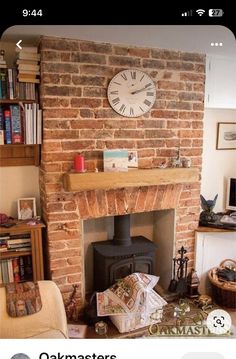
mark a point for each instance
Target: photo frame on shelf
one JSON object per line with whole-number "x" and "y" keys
{"x": 26, "y": 208}
{"x": 226, "y": 136}
{"x": 115, "y": 160}
{"x": 132, "y": 159}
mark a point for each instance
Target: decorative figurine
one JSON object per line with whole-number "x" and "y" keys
{"x": 207, "y": 215}
{"x": 176, "y": 162}
{"x": 192, "y": 284}
{"x": 186, "y": 162}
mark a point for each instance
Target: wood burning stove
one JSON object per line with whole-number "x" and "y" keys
{"x": 117, "y": 258}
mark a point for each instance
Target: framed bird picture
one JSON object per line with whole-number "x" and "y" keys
{"x": 226, "y": 136}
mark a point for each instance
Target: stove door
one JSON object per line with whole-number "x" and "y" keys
{"x": 127, "y": 266}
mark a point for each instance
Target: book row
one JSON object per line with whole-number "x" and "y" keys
{"x": 14, "y": 244}
{"x": 20, "y": 124}
{"x": 17, "y": 269}
{"x": 11, "y": 87}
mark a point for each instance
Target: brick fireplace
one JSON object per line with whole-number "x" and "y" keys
{"x": 78, "y": 118}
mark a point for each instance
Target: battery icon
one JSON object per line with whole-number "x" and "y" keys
{"x": 216, "y": 12}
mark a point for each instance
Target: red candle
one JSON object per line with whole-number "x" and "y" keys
{"x": 79, "y": 163}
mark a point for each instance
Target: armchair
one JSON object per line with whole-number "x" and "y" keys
{"x": 50, "y": 322}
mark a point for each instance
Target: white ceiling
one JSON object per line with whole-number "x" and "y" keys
{"x": 192, "y": 38}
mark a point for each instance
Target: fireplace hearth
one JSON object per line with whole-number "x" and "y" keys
{"x": 114, "y": 259}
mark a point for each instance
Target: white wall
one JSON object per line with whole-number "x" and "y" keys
{"x": 217, "y": 164}
{"x": 18, "y": 182}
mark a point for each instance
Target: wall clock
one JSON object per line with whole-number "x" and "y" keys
{"x": 131, "y": 93}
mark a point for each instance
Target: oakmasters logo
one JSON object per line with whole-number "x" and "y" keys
{"x": 182, "y": 330}
{"x": 217, "y": 322}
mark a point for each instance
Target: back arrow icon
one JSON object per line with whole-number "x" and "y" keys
{"x": 18, "y": 44}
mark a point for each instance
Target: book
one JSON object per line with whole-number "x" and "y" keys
{"x": 16, "y": 124}
{"x": 0, "y": 273}
{"x": 5, "y": 276}
{"x": 28, "y": 267}
{"x": 18, "y": 240}
{"x": 10, "y": 270}
{"x": 7, "y": 118}
{"x": 1, "y": 118}
{"x": 20, "y": 236}
{"x": 31, "y": 73}
{"x": 28, "y": 49}
{"x": 3, "y": 245}
{"x": 28, "y": 79}
{"x": 21, "y": 268}
{"x": 25, "y": 61}
{"x": 28, "y": 56}
{"x": 28, "y": 67}
{"x": 16, "y": 269}
{"x": 1, "y": 137}
{"x": 3, "y": 83}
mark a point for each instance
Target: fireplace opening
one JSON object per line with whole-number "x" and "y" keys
{"x": 145, "y": 243}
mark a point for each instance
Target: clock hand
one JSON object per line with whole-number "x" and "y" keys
{"x": 142, "y": 89}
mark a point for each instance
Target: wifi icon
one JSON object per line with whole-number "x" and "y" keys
{"x": 200, "y": 12}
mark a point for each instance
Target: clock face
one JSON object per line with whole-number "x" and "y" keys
{"x": 131, "y": 93}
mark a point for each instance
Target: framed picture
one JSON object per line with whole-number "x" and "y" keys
{"x": 26, "y": 208}
{"x": 115, "y": 160}
{"x": 226, "y": 136}
{"x": 133, "y": 159}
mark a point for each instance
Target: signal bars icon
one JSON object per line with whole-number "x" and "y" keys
{"x": 187, "y": 13}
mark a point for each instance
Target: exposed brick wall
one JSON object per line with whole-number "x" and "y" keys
{"x": 78, "y": 118}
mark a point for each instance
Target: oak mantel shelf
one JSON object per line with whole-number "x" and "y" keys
{"x": 77, "y": 182}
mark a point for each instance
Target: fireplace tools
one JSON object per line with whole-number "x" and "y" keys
{"x": 179, "y": 285}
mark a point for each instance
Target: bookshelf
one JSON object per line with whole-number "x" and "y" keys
{"x": 32, "y": 255}
{"x": 19, "y": 155}
{"x": 9, "y": 101}
{"x": 20, "y": 115}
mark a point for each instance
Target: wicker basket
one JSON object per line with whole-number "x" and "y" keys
{"x": 224, "y": 292}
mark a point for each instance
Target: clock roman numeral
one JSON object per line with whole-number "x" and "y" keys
{"x": 150, "y": 93}
{"x": 122, "y": 108}
{"x": 131, "y": 111}
{"x": 114, "y": 93}
{"x": 124, "y": 76}
{"x": 141, "y": 78}
{"x": 148, "y": 85}
{"x": 116, "y": 100}
{"x": 116, "y": 83}
{"x": 133, "y": 75}
{"x": 141, "y": 108}
{"x": 146, "y": 102}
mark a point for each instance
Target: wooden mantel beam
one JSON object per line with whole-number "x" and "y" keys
{"x": 77, "y": 182}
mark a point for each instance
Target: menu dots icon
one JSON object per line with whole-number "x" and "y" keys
{"x": 220, "y": 44}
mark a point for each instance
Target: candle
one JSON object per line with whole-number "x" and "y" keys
{"x": 101, "y": 328}
{"x": 79, "y": 163}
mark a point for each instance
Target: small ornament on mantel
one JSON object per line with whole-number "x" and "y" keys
{"x": 176, "y": 162}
